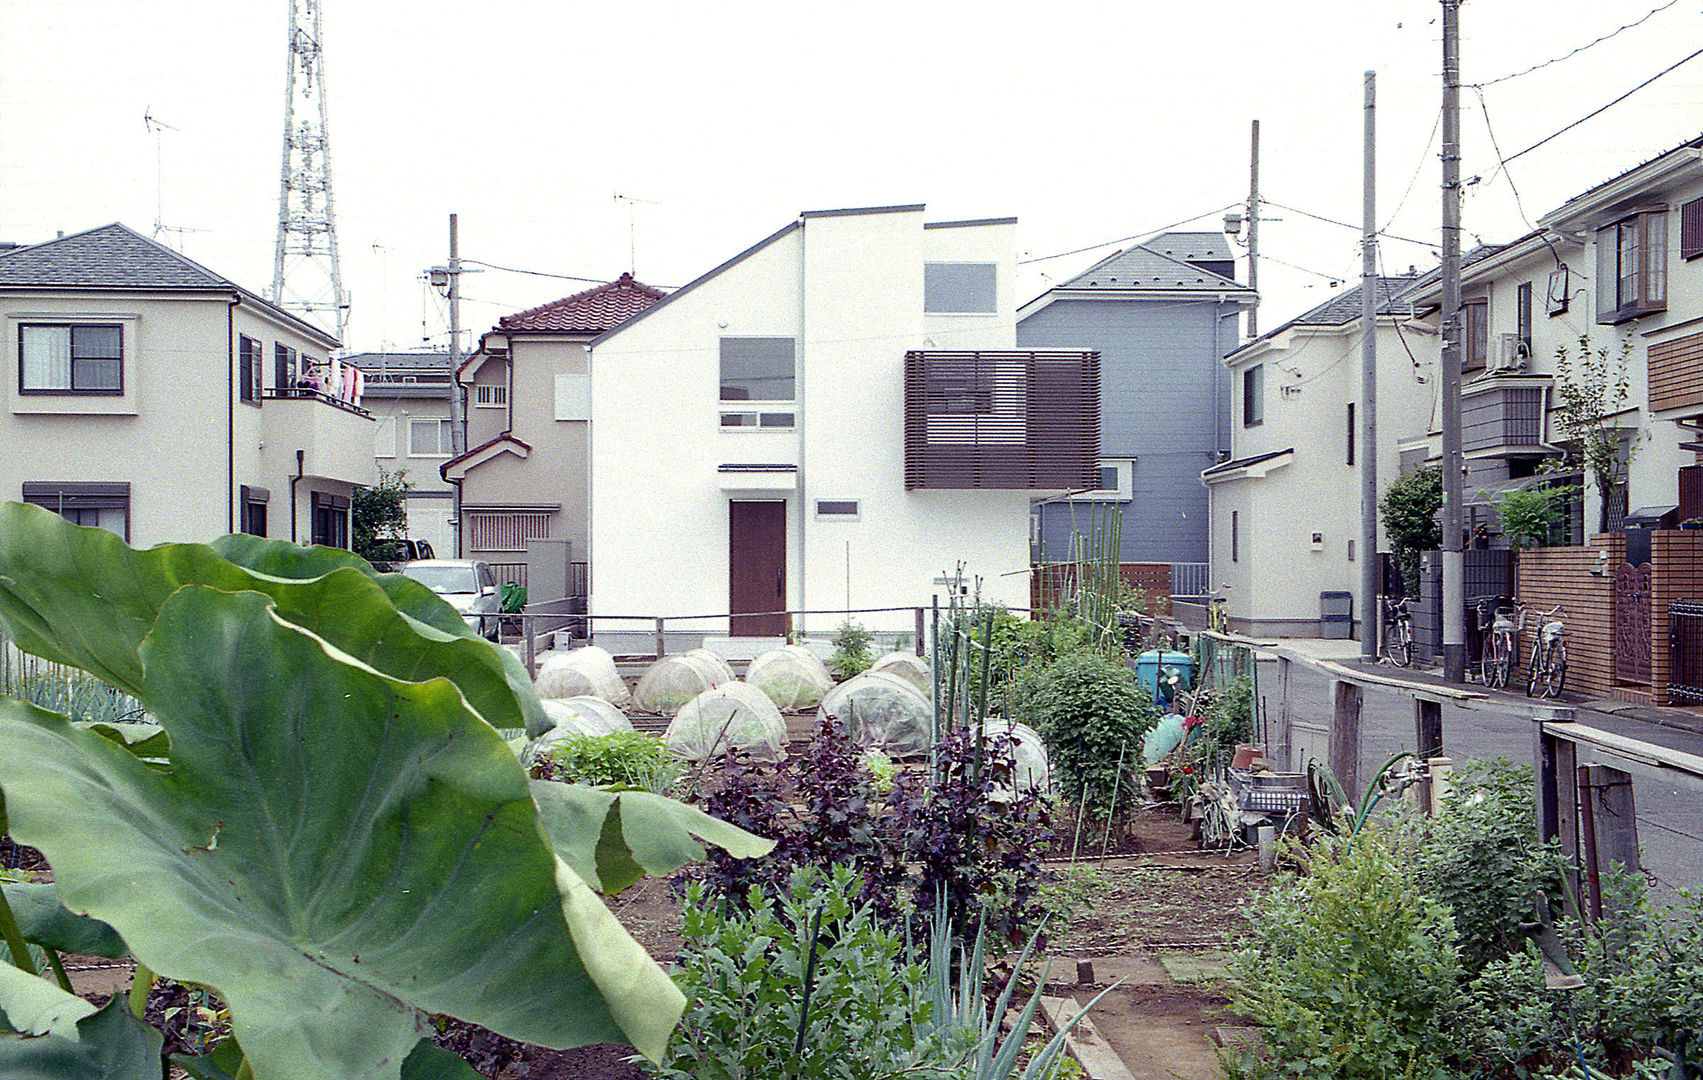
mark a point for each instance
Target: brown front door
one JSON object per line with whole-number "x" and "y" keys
{"x": 757, "y": 568}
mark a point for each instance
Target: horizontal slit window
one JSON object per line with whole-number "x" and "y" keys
{"x": 842, "y": 509}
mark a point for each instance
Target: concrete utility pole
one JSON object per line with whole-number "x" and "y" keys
{"x": 1454, "y": 547}
{"x": 457, "y": 412}
{"x": 1254, "y": 230}
{"x": 1371, "y": 616}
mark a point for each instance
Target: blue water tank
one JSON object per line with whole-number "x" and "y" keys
{"x": 1147, "y": 667}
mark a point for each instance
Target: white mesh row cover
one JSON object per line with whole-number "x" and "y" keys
{"x": 723, "y": 673}
{"x": 574, "y": 717}
{"x": 882, "y": 710}
{"x": 792, "y": 676}
{"x": 1028, "y": 752}
{"x": 674, "y": 680}
{"x": 736, "y": 716}
{"x": 588, "y": 671}
{"x": 909, "y": 667}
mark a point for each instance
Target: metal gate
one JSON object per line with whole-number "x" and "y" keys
{"x": 1685, "y": 639}
{"x": 1632, "y": 624}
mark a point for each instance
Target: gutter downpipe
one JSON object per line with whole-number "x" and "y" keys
{"x": 231, "y": 413}
{"x": 301, "y": 457}
{"x": 799, "y": 388}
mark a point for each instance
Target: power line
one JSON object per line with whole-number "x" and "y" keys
{"x": 1502, "y": 168}
{"x": 1424, "y": 156}
{"x": 1344, "y": 224}
{"x": 1334, "y": 279}
{"x": 1580, "y": 49}
{"x": 537, "y": 273}
{"x": 1605, "y": 108}
{"x": 1126, "y": 239}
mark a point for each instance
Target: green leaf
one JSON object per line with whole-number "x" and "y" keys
{"x": 219, "y": 1063}
{"x": 111, "y": 1044}
{"x": 332, "y": 852}
{"x": 428, "y": 1062}
{"x": 50, "y": 924}
{"x": 81, "y": 596}
{"x": 142, "y": 739}
{"x": 613, "y": 838}
{"x": 34, "y": 1006}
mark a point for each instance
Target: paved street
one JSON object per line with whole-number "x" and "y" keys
{"x": 1669, "y": 804}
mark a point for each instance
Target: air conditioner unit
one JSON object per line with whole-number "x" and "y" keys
{"x": 1513, "y": 354}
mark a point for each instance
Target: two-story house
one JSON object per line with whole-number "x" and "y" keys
{"x": 149, "y": 395}
{"x": 837, "y": 417}
{"x": 408, "y": 396}
{"x": 528, "y": 392}
{"x": 1162, "y": 315}
{"x": 1286, "y": 507}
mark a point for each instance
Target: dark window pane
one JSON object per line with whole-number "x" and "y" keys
{"x": 960, "y": 288}
{"x": 1108, "y": 478}
{"x": 776, "y": 420}
{"x": 757, "y": 369}
{"x": 97, "y": 342}
{"x": 96, "y": 374}
{"x": 836, "y": 508}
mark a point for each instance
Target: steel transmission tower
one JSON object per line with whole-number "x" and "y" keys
{"x": 305, "y": 275}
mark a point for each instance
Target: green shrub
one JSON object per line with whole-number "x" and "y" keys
{"x": 1349, "y": 970}
{"x": 1528, "y": 517}
{"x": 626, "y": 757}
{"x": 852, "y": 654}
{"x": 1091, "y": 712}
{"x": 1229, "y": 719}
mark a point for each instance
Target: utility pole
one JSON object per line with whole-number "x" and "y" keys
{"x": 1254, "y": 230}
{"x": 1371, "y": 617}
{"x": 1454, "y": 547}
{"x": 457, "y": 411}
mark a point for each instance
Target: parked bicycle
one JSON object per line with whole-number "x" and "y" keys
{"x": 1502, "y": 648}
{"x": 1549, "y": 656}
{"x": 1398, "y": 632}
{"x": 1217, "y": 617}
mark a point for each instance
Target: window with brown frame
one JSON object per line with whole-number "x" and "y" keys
{"x": 1523, "y": 314}
{"x": 1475, "y": 333}
{"x": 66, "y": 358}
{"x": 251, "y": 365}
{"x": 1253, "y": 396}
{"x": 283, "y": 366}
{"x": 1351, "y": 433}
{"x": 102, "y": 505}
{"x": 1632, "y": 266}
{"x": 1691, "y": 229}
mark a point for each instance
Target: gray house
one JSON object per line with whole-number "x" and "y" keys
{"x": 1163, "y": 315}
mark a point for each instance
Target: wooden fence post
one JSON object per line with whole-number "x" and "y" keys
{"x": 1345, "y": 736}
{"x": 660, "y": 651}
{"x": 1610, "y": 827}
{"x": 1284, "y": 738}
{"x": 921, "y": 630}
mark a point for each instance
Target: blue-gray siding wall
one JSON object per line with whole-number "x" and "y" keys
{"x": 1164, "y": 401}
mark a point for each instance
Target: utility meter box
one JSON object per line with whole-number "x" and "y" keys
{"x": 1336, "y": 614}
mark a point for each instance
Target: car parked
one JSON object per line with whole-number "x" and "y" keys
{"x": 469, "y": 585}
{"x": 391, "y": 553}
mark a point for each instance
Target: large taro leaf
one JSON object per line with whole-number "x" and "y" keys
{"x": 81, "y": 596}
{"x": 332, "y": 851}
{"x": 426, "y": 1062}
{"x": 109, "y": 1044}
{"x": 31, "y": 1005}
{"x": 44, "y": 921}
{"x": 613, "y": 838}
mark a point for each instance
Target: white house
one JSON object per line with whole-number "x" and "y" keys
{"x": 1286, "y": 506}
{"x": 834, "y": 418}
{"x": 151, "y": 396}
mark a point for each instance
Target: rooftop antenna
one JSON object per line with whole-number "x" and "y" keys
{"x": 157, "y": 128}
{"x": 632, "y": 229}
{"x": 306, "y": 276}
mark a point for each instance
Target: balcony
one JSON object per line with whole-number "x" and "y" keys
{"x": 1503, "y": 416}
{"x": 1011, "y": 419}
{"x": 1676, "y": 378}
{"x": 336, "y": 437}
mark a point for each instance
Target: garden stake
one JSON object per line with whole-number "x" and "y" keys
{"x": 809, "y": 980}
{"x": 982, "y": 696}
{"x": 1116, "y": 785}
{"x": 141, "y": 985}
{"x": 58, "y": 970}
{"x": 1076, "y": 844}
{"x": 15, "y": 937}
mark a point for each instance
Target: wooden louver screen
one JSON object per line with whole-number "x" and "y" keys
{"x": 1676, "y": 374}
{"x": 1014, "y": 419}
{"x": 506, "y": 531}
{"x": 1691, "y": 229}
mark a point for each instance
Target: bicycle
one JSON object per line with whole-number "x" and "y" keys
{"x": 1217, "y": 617}
{"x": 1548, "y": 667}
{"x": 1501, "y": 652}
{"x": 1398, "y": 632}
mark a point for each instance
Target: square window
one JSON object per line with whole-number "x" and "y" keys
{"x": 757, "y": 369}
{"x": 960, "y": 288}
{"x": 429, "y": 438}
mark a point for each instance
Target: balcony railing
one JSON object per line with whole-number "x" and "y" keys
{"x": 1014, "y": 419}
{"x": 1504, "y": 415}
{"x": 301, "y": 393}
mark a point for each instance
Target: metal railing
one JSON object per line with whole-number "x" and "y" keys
{"x": 1191, "y": 579}
{"x": 299, "y": 392}
{"x": 1685, "y": 640}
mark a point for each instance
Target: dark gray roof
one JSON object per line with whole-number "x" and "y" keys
{"x": 1344, "y": 308}
{"x": 393, "y": 361}
{"x": 1237, "y": 463}
{"x": 1192, "y": 246}
{"x": 117, "y": 257}
{"x": 1148, "y": 267}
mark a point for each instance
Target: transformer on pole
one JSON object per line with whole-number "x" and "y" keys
{"x": 306, "y": 278}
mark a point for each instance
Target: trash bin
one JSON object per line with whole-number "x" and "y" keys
{"x": 1336, "y": 614}
{"x": 1147, "y": 667}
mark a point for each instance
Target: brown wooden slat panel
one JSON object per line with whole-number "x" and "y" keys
{"x": 1002, "y": 418}
{"x": 1676, "y": 373}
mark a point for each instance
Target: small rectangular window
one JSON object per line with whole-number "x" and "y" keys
{"x": 775, "y": 420}
{"x": 283, "y": 366}
{"x": 490, "y": 395}
{"x": 1351, "y": 432}
{"x": 101, "y": 505}
{"x": 251, "y": 366}
{"x": 1691, "y": 229}
{"x": 1351, "y": 551}
{"x": 429, "y": 438}
{"x": 1523, "y": 314}
{"x": 254, "y": 500}
{"x": 1253, "y": 396}
{"x": 837, "y": 509}
{"x": 960, "y": 288}
{"x": 1475, "y": 334}
{"x": 1632, "y": 270}
{"x": 757, "y": 369}
{"x": 1235, "y": 535}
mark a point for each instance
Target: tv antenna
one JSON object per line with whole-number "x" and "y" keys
{"x": 157, "y": 128}
{"x": 632, "y": 228}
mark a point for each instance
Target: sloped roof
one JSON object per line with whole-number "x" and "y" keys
{"x": 117, "y": 257}
{"x": 1159, "y": 264}
{"x": 590, "y": 312}
{"x": 400, "y": 361}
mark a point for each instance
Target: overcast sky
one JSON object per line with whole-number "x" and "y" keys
{"x": 1088, "y": 121}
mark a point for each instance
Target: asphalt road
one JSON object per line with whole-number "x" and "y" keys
{"x": 1669, "y": 805}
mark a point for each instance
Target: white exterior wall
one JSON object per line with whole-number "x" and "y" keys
{"x": 849, "y": 290}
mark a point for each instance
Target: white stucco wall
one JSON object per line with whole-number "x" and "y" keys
{"x": 849, "y": 290}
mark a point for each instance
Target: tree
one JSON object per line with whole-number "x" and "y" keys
{"x": 380, "y": 515}
{"x": 1528, "y": 516}
{"x": 1410, "y": 506}
{"x": 1588, "y": 398}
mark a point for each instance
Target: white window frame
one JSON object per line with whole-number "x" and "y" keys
{"x": 444, "y": 435}
{"x": 573, "y": 397}
{"x": 1124, "y": 492}
{"x": 490, "y": 395}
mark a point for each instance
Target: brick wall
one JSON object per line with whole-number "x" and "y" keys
{"x": 1049, "y": 582}
{"x": 1563, "y": 575}
{"x": 1677, "y": 561}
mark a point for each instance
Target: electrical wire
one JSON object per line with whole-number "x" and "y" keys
{"x": 1603, "y": 109}
{"x": 1126, "y": 239}
{"x": 1502, "y": 169}
{"x": 1424, "y": 156}
{"x": 1334, "y": 279}
{"x": 1591, "y": 45}
{"x": 537, "y": 273}
{"x": 1346, "y": 225}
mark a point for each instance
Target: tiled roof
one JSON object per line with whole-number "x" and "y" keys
{"x": 590, "y": 312}
{"x": 110, "y": 257}
{"x": 1150, "y": 266}
{"x": 1345, "y": 307}
{"x": 399, "y": 361}
{"x": 117, "y": 257}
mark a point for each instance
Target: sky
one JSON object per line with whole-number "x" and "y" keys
{"x": 1090, "y": 122}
